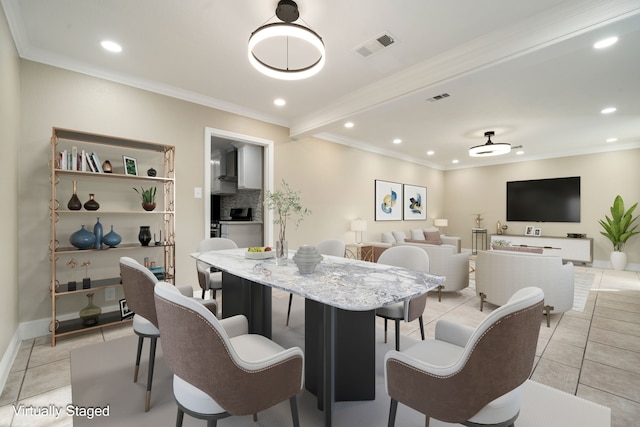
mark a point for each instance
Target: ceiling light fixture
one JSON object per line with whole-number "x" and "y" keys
{"x": 612, "y": 139}
{"x": 287, "y": 12}
{"x": 397, "y": 141}
{"x": 605, "y": 43}
{"x": 489, "y": 148}
{"x": 608, "y": 110}
{"x": 280, "y": 102}
{"x": 111, "y": 46}
{"x": 348, "y": 125}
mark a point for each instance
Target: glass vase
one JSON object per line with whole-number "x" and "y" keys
{"x": 282, "y": 252}
{"x": 90, "y": 313}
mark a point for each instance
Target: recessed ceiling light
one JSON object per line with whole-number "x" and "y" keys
{"x": 519, "y": 153}
{"x": 111, "y": 46}
{"x": 605, "y": 42}
{"x": 280, "y": 102}
{"x": 454, "y": 161}
{"x": 430, "y": 153}
{"x": 348, "y": 125}
{"x": 608, "y": 110}
{"x": 397, "y": 141}
{"x": 612, "y": 139}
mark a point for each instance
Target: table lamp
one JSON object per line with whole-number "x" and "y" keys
{"x": 358, "y": 225}
{"x": 440, "y": 222}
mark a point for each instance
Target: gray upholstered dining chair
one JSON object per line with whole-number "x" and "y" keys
{"x": 333, "y": 247}
{"x": 138, "y": 282}
{"x": 251, "y": 373}
{"x": 208, "y": 279}
{"x": 470, "y": 376}
{"x": 409, "y": 310}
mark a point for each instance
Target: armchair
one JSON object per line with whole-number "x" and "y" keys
{"x": 248, "y": 373}
{"x": 466, "y": 375}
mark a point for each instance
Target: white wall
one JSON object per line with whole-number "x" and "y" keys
{"x": 10, "y": 126}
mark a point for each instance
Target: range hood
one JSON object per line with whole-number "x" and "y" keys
{"x": 229, "y": 167}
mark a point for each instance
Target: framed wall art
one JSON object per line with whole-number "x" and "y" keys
{"x": 388, "y": 196}
{"x": 414, "y": 204}
{"x": 130, "y": 165}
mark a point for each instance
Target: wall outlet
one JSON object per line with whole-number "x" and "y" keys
{"x": 197, "y": 192}
{"x": 110, "y": 294}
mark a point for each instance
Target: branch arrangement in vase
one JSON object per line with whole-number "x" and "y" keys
{"x": 286, "y": 205}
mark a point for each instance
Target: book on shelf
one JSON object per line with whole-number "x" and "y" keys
{"x": 74, "y": 158}
{"x": 96, "y": 159}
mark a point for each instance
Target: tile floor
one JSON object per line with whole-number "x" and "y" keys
{"x": 594, "y": 354}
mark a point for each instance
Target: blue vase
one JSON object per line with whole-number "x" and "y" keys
{"x": 97, "y": 231}
{"x": 83, "y": 239}
{"x": 112, "y": 239}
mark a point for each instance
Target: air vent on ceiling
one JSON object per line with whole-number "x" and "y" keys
{"x": 438, "y": 97}
{"x": 375, "y": 45}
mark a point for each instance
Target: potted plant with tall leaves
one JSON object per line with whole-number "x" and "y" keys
{"x": 148, "y": 198}
{"x": 287, "y": 208}
{"x": 618, "y": 229}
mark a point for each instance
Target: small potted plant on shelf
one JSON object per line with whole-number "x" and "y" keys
{"x": 148, "y": 198}
{"x": 618, "y": 230}
{"x": 285, "y": 204}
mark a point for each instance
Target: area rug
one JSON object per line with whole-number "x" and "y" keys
{"x": 102, "y": 374}
{"x": 582, "y": 285}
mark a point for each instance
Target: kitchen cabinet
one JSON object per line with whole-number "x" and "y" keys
{"x": 249, "y": 167}
{"x": 220, "y": 181}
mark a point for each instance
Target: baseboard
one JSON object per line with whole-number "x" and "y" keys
{"x": 8, "y": 358}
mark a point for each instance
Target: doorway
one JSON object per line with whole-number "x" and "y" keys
{"x": 267, "y": 170}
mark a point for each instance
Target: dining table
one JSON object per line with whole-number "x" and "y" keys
{"x": 341, "y": 296}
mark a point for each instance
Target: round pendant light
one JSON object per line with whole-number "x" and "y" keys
{"x": 287, "y": 12}
{"x": 489, "y": 148}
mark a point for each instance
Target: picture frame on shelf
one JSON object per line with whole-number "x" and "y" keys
{"x": 529, "y": 230}
{"x": 414, "y": 203}
{"x": 125, "y": 313}
{"x": 537, "y": 232}
{"x": 388, "y": 196}
{"x": 130, "y": 165}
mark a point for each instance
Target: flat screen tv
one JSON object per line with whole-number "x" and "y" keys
{"x": 544, "y": 200}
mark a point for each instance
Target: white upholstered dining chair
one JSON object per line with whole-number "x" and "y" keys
{"x": 211, "y": 279}
{"x": 407, "y": 257}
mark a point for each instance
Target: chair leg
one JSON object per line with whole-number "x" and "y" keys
{"x": 421, "y": 327}
{"x": 294, "y": 411}
{"x": 215, "y": 291}
{"x": 392, "y": 413}
{"x": 138, "y": 355}
{"x": 180, "y": 417}
{"x": 482, "y": 297}
{"x": 440, "y": 293}
{"x": 385, "y": 331}
{"x": 203, "y": 291}
{"x": 255, "y": 418}
{"x": 397, "y": 335}
{"x": 289, "y": 309}
{"x": 152, "y": 359}
{"x": 212, "y": 423}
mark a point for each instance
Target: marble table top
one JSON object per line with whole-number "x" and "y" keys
{"x": 340, "y": 282}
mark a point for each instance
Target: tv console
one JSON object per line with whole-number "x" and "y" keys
{"x": 569, "y": 248}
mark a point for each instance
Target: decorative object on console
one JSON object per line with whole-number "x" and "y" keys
{"x": 91, "y": 204}
{"x": 478, "y": 219}
{"x": 285, "y": 204}
{"x": 144, "y": 236}
{"x": 90, "y": 313}
{"x": 359, "y": 226}
{"x": 82, "y": 239}
{"x": 74, "y": 203}
{"x": 97, "y": 231}
{"x": 537, "y": 231}
{"x": 387, "y": 195}
{"x": 111, "y": 239}
{"x": 72, "y": 263}
{"x": 151, "y": 172}
{"x": 618, "y": 229}
{"x": 287, "y": 12}
{"x": 86, "y": 281}
{"x": 307, "y": 258}
{"x": 148, "y": 197}
{"x": 529, "y": 230}
{"x": 490, "y": 148}
{"x": 415, "y": 202}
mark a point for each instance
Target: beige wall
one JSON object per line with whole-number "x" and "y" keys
{"x": 336, "y": 182}
{"x": 10, "y": 125}
{"x": 603, "y": 176}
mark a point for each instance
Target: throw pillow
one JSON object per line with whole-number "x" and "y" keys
{"x": 399, "y": 236}
{"x": 387, "y": 238}
{"x": 417, "y": 234}
{"x": 433, "y": 237}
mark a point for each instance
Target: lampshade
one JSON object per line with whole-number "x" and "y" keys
{"x": 489, "y": 148}
{"x": 441, "y": 222}
{"x": 287, "y": 11}
{"x": 358, "y": 225}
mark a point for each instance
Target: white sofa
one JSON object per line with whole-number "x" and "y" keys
{"x": 499, "y": 274}
{"x": 445, "y": 261}
{"x": 415, "y": 236}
